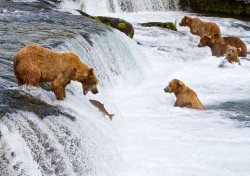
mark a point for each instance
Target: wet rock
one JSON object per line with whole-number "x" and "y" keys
{"x": 15, "y": 100}
{"x": 169, "y": 25}
{"x": 116, "y": 23}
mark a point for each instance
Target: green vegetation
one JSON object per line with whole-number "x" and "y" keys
{"x": 97, "y": 19}
{"x": 81, "y": 6}
{"x": 107, "y": 23}
{"x": 121, "y": 26}
{"x": 222, "y": 6}
{"x": 131, "y": 34}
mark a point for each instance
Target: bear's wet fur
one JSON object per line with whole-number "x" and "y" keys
{"x": 35, "y": 64}
{"x": 185, "y": 97}
{"x": 232, "y": 54}
{"x": 218, "y": 44}
{"x": 199, "y": 27}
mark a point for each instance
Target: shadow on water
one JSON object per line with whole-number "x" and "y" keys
{"x": 236, "y": 110}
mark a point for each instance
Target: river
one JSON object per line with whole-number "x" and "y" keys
{"x": 148, "y": 135}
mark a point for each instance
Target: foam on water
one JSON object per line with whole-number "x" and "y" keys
{"x": 148, "y": 135}
{"x": 160, "y": 139}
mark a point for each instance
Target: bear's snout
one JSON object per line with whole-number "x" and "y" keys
{"x": 199, "y": 45}
{"x": 94, "y": 91}
{"x": 229, "y": 55}
{"x": 166, "y": 89}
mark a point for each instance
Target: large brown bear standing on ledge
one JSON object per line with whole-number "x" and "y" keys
{"x": 218, "y": 44}
{"x": 199, "y": 27}
{"x": 35, "y": 64}
{"x": 185, "y": 97}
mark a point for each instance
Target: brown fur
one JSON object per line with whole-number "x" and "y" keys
{"x": 199, "y": 27}
{"x": 232, "y": 54}
{"x": 185, "y": 97}
{"x": 218, "y": 44}
{"x": 35, "y": 64}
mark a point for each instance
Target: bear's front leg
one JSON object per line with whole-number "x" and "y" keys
{"x": 64, "y": 87}
{"x": 58, "y": 90}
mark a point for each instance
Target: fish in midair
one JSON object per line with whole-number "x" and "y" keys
{"x": 101, "y": 108}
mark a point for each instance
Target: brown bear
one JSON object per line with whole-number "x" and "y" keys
{"x": 185, "y": 97}
{"x": 218, "y": 44}
{"x": 35, "y": 64}
{"x": 199, "y": 27}
{"x": 232, "y": 54}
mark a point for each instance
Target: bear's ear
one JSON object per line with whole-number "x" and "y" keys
{"x": 90, "y": 72}
{"x": 228, "y": 46}
{"x": 204, "y": 36}
{"x": 180, "y": 83}
{"x": 212, "y": 39}
{"x": 238, "y": 50}
{"x": 187, "y": 19}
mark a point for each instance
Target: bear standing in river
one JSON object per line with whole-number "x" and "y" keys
{"x": 232, "y": 54}
{"x": 199, "y": 27}
{"x": 35, "y": 64}
{"x": 218, "y": 44}
{"x": 185, "y": 97}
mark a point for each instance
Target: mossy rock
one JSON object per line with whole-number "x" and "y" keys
{"x": 116, "y": 23}
{"x": 169, "y": 25}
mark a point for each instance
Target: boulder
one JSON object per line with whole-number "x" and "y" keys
{"x": 169, "y": 25}
{"x": 116, "y": 23}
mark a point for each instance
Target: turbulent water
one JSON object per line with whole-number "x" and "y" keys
{"x": 148, "y": 135}
{"x": 42, "y": 136}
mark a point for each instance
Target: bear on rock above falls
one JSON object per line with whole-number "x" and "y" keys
{"x": 35, "y": 64}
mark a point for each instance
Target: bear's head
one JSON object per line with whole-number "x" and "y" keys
{"x": 205, "y": 41}
{"x": 185, "y": 21}
{"x": 232, "y": 52}
{"x": 208, "y": 40}
{"x": 90, "y": 83}
{"x": 174, "y": 86}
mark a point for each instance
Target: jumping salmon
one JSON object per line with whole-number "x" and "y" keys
{"x": 101, "y": 108}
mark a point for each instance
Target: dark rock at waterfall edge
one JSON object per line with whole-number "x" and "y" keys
{"x": 13, "y": 101}
{"x": 116, "y": 23}
{"x": 169, "y": 25}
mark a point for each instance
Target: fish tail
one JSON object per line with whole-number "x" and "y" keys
{"x": 111, "y": 116}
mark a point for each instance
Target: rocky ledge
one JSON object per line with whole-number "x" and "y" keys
{"x": 169, "y": 25}
{"x": 116, "y": 23}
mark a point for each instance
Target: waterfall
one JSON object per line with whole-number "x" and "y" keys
{"x": 95, "y": 6}
{"x": 42, "y": 136}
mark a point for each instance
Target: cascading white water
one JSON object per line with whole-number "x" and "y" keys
{"x": 94, "y": 7}
{"x": 58, "y": 145}
{"x": 148, "y": 136}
